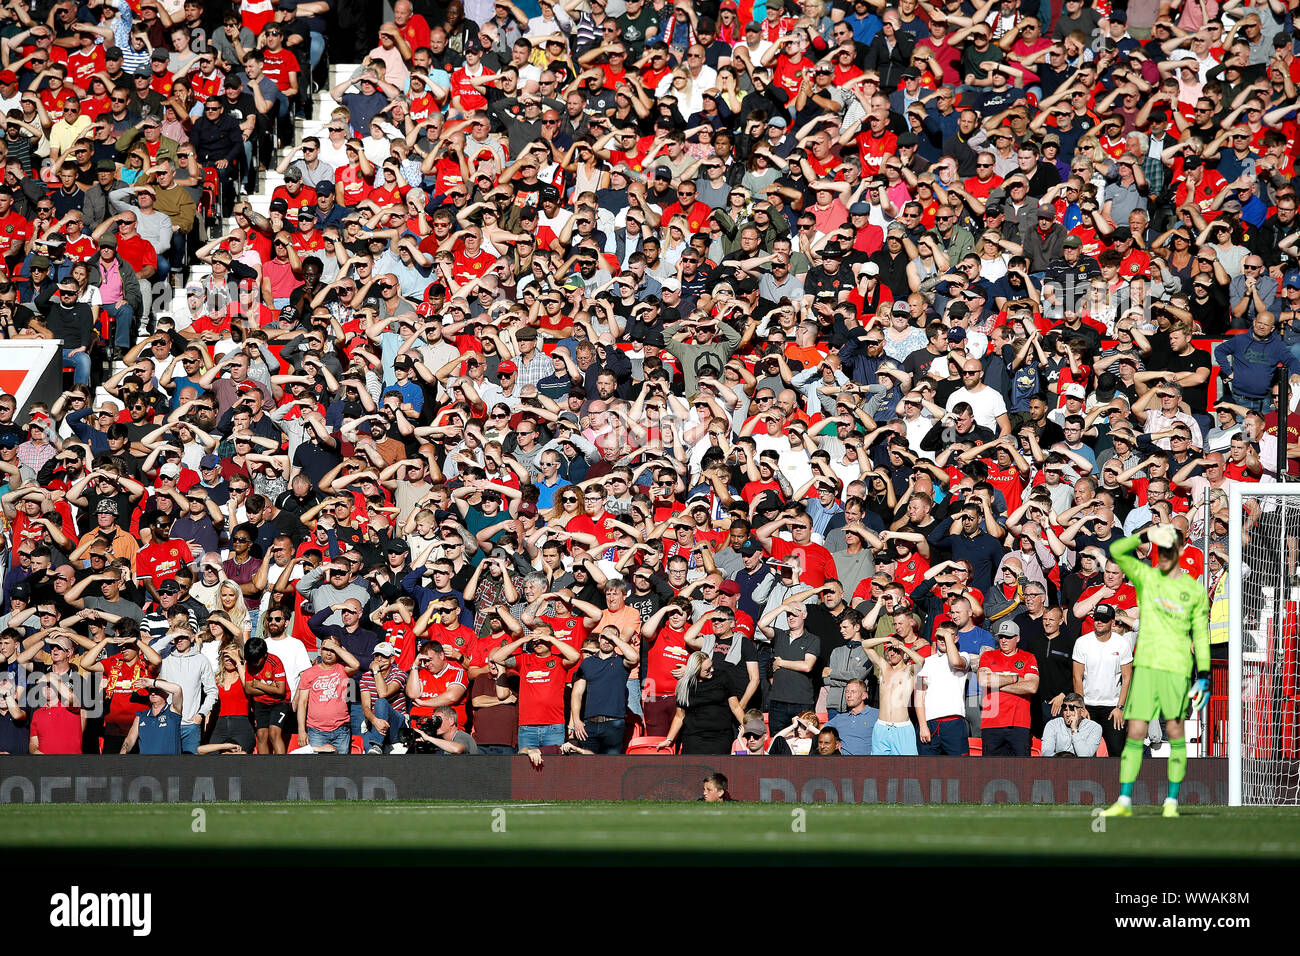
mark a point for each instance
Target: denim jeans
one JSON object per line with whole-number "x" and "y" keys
{"x": 604, "y": 737}
{"x": 356, "y": 718}
{"x": 191, "y": 734}
{"x": 80, "y": 366}
{"x": 176, "y": 254}
{"x": 317, "y": 48}
{"x": 541, "y": 735}
{"x": 340, "y": 738}
{"x": 123, "y": 323}
{"x": 396, "y": 722}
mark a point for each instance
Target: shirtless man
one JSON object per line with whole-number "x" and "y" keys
{"x": 905, "y": 629}
{"x": 894, "y": 735}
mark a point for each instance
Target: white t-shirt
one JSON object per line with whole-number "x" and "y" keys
{"x": 945, "y": 688}
{"x": 293, "y": 655}
{"x": 1102, "y": 661}
{"x": 987, "y": 405}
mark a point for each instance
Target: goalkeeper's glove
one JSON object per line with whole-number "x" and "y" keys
{"x": 1163, "y": 536}
{"x": 1200, "y": 693}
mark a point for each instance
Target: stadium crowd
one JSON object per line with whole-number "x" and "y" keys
{"x": 758, "y": 378}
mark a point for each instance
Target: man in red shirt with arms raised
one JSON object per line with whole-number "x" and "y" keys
{"x": 164, "y": 556}
{"x": 436, "y": 682}
{"x": 122, "y": 702}
{"x": 457, "y": 640}
{"x": 1009, "y": 677}
{"x": 571, "y": 623}
{"x": 815, "y": 561}
{"x": 543, "y": 672}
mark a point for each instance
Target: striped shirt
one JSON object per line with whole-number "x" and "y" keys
{"x": 397, "y": 699}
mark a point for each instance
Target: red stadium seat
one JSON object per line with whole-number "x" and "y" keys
{"x": 646, "y": 746}
{"x": 1101, "y": 748}
{"x": 976, "y": 746}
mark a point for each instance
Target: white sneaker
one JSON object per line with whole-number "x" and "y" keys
{"x": 398, "y": 749}
{"x": 375, "y": 749}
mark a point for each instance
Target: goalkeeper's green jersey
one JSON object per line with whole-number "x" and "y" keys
{"x": 1169, "y": 608}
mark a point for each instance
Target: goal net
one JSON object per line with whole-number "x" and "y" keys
{"x": 1263, "y": 696}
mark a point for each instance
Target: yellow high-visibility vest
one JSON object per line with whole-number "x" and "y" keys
{"x": 1219, "y": 611}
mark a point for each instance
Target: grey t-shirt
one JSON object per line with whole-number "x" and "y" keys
{"x": 460, "y": 737}
{"x": 789, "y": 686}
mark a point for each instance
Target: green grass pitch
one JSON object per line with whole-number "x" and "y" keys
{"x": 647, "y": 834}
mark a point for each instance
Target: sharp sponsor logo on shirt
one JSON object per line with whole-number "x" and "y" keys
{"x": 78, "y": 910}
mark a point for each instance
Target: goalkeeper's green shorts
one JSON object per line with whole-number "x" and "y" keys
{"x": 1155, "y": 693}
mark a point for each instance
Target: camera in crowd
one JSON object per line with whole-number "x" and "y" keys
{"x": 415, "y": 744}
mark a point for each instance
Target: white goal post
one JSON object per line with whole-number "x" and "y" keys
{"x": 1262, "y": 734}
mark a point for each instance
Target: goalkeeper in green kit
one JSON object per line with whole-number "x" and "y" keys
{"x": 1174, "y": 620}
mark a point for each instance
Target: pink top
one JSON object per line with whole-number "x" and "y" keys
{"x": 327, "y": 696}
{"x": 110, "y": 289}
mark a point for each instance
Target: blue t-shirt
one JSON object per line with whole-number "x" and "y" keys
{"x": 160, "y": 733}
{"x": 606, "y": 693}
{"x": 546, "y": 493}
{"x": 411, "y": 394}
{"x": 855, "y": 731}
{"x": 974, "y": 640}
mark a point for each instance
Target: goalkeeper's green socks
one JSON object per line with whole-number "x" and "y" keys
{"x": 1177, "y": 766}
{"x": 1130, "y": 762}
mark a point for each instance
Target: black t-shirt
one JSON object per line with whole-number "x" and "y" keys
{"x": 709, "y": 713}
{"x": 1196, "y": 396}
{"x": 791, "y": 686}
{"x": 823, "y": 285}
{"x": 736, "y": 674}
{"x": 89, "y": 515}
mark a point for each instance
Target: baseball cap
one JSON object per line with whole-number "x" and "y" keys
{"x": 170, "y": 586}
{"x": 778, "y": 122}
{"x": 324, "y": 189}
{"x": 170, "y": 470}
{"x": 1073, "y": 242}
{"x": 1103, "y": 612}
{"x": 755, "y": 727}
{"x": 729, "y": 587}
{"x": 859, "y": 209}
{"x": 507, "y": 368}
{"x": 8, "y": 76}
{"x": 1074, "y": 390}
{"x": 385, "y": 650}
{"x": 1008, "y": 629}
{"x": 748, "y": 549}
{"x": 209, "y": 461}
